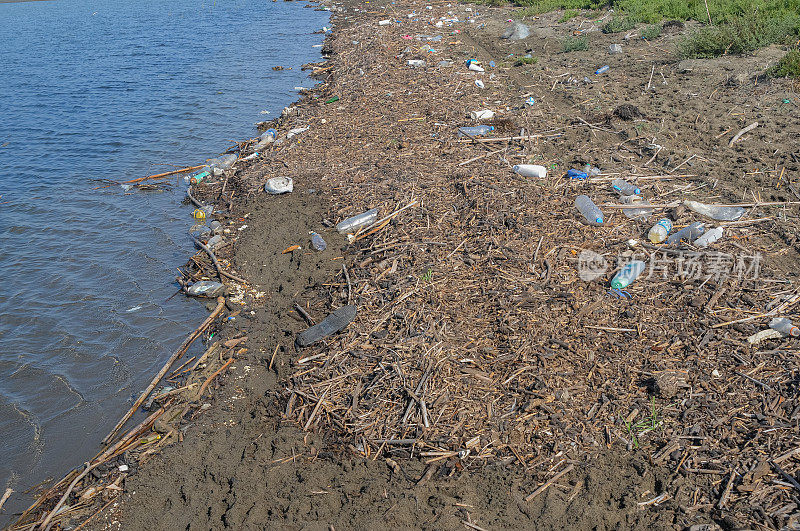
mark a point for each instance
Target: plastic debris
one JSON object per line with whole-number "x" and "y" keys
{"x": 478, "y": 130}
{"x": 784, "y": 326}
{"x": 615, "y": 48}
{"x": 206, "y": 288}
{"x": 516, "y": 32}
{"x": 716, "y": 212}
{"x": 530, "y": 170}
{"x": 416, "y": 63}
{"x": 279, "y": 185}
{"x": 602, "y": 70}
{"x": 354, "y": 223}
{"x": 624, "y": 187}
{"x": 659, "y": 232}
{"x": 627, "y": 274}
{"x": 708, "y": 238}
{"x": 577, "y": 174}
{"x": 688, "y": 233}
{"x": 318, "y": 242}
{"x": 484, "y": 114}
{"x": 335, "y": 322}
{"x": 589, "y": 210}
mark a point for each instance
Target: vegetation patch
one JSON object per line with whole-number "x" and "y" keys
{"x": 788, "y": 66}
{"x": 527, "y": 60}
{"x": 575, "y": 44}
{"x": 568, "y": 15}
{"x": 651, "y": 32}
{"x": 619, "y": 24}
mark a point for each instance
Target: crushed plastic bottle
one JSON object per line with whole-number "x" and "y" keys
{"x": 636, "y": 213}
{"x": 784, "y": 326}
{"x": 577, "y": 174}
{"x": 709, "y": 237}
{"x": 318, "y": 242}
{"x": 475, "y": 67}
{"x": 719, "y": 213}
{"x": 354, "y": 223}
{"x": 602, "y": 70}
{"x": 266, "y": 138}
{"x": 214, "y": 242}
{"x": 588, "y": 209}
{"x": 624, "y": 187}
{"x": 215, "y": 227}
{"x": 530, "y": 170}
{"x": 627, "y": 274}
{"x": 659, "y": 232}
{"x": 478, "y": 130}
{"x": 591, "y": 170}
{"x": 206, "y": 288}
{"x": 689, "y": 233}
{"x": 615, "y": 49}
{"x": 416, "y": 63}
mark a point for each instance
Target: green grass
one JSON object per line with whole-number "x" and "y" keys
{"x": 738, "y": 26}
{"x": 788, "y": 66}
{"x": 619, "y": 24}
{"x": 575, "y": 44}
{"x": 651, "y": 32}
{"x": 568, "y": 15}
{"x": 526, "y": 60}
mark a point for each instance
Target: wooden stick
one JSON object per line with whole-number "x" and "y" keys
{"x": 479, "y": 157}
{"x": 216, "y": 373}
{"x": 738, "y": 135}
{"x": 6, "y": 494}
{"x": 157, "y": 176}
{"x": 549, "y": 482}
{"x": 220, "y": 271}
{"x": 178, "y": 353}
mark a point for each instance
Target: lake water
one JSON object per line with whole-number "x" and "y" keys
{"x": 112, "y": 90}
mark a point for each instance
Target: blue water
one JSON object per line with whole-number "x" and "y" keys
{"x": 112, "y": 90}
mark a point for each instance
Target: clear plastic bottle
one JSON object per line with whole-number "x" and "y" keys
{"x": 530, "y": 170}
{"x": 624, "y": 187}
{"x": 709, "y": 237}
{"x": 636, "y": 213}
{"x": 318, "y": 242}
{"x": 588, "y": 209}
{"x": 689, "y": 233}
{"x": 659, "y": 232}
{"x": 627, "y": 274}
{"x": 602, "y": 70}
{"x": 719, "y": 213}
{"x": 478, "y": 130}
{"x": 784, "y": 326}
{"x": 354, "y": 223}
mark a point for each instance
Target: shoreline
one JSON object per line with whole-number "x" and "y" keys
{"x": 313, "y": 437}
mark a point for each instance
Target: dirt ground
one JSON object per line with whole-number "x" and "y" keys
{"x": 539, "y": 382}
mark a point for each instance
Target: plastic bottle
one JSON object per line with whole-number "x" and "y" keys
{"x": 416, "y": 63}
{"x": 203, "y": 213}
{"x": 577, "y": 174}
{"x": 214, "y": 242}
{"x": 206, "y": 288}
{"x": 251, "y": 156}
{"x": 354, "y": 223}
{"x": 709, "y": 237}
{"x": 267, "y": 137}
{"x": 478, "y": 130}
{"x": 659, "y": 232}
{"x": 318, "y": 242}
{"x": 784, "y": 326}
{"x": 624, "y": 187}
{"x": 602, "y": 70}
{"x": 627, "y": 274}
{"x": 588, "y": 209}
{"x": 719, "y": 213}
{"x": 591, "y": 170}
{"x": 636, "y": 213}
{"x": 530, "y": 170}
{"x": 215, "y": 226}
{"x": 199, "y": 176}
{"x": 689, "y": 233}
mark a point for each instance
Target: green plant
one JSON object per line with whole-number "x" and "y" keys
{"x": 651, "y": 32}
{"x": 526, "y": 60}
{"x": 619, "y": 24}
{"x": 650, "y": 423}
{"x": 574, "y": 44}
{"x": 427, "y": 276}
{"x": 788, "y": 66}
{"x": 740, "y": 36}
{"x": 568, "y": 15}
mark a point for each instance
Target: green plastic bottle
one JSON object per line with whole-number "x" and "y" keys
{"x": 627, "y": 274}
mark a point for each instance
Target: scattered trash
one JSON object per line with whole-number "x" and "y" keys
{"x": 479, "y": 84}
{"x": 214, "y": 242}
{"x": 202, "y": 213}
{"x": 354, "y": 223}
{"x": 659, "y": 232}
{"x": 784, "y": 326}
{"x": 384, "y": 22}
{"x": 577, "y": 174}
{"x": 251, "y": 156}
{"x": 445, "y": 63}
{"x": 199, "y": 176}
{"x": 624, "y": 187}
{"x": 335, "y": 322}
{"x": 215, "y": 227}
{"x": 296, "y": 131}
{"x": 591, "y": 170}
{"x": 416, "y": 63}
{"x": 602, "y": 70}
{"x": 279, "y": 185}
{"x": 636, "y": 213}
{"x": 478, "y": 130}
{"x": 332, "y": 100}
{"x": 589, "y": 210}
{"x": 615, "y": 48}
{"x": 291, "y": 249}
{"x": 530, "y": 102}
{"x": 619, "y": 293}
{"x": 763, "y": 335}
{"x": 206, "y": 288}
{"x": 222, "y": 163}
{"x": 485, "y": 114}
{"x": 516, "y": 32}
{"x": 689, "y": 233}
{"x": 708, "y": 237}
{"x": 716, "y": 212}
{"x": 472, "y": 64}
{"x": 627, "y": 274}
{"x": 267, "y": 137}
{"x": 318, "y": 242}
{"x": 123, "y": 468}
{"x": 530, "y": 170}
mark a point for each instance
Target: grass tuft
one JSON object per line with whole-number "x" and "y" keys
{"x": 619, "y": 24}
{"x": 651, "y": 32}
{"x": 526, "y": 60}
{"x": 740, "y": 36}
{"x": 569, "y": 14}
{"x": 788, "y": 66}
{"x": 575, "y": 44}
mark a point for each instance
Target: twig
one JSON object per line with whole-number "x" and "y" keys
{"x": 6, "y": 494}
{"x": 349, "y": 285}
{"x": 216, "y": 373}
{"x": 549, "y": 482}
{"x": 304, "y": 314}
{"x": 740, "y": 133}
{"x": 220, "y": 271}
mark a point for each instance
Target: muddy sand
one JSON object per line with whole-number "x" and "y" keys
{"x": 486, "y": 383}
